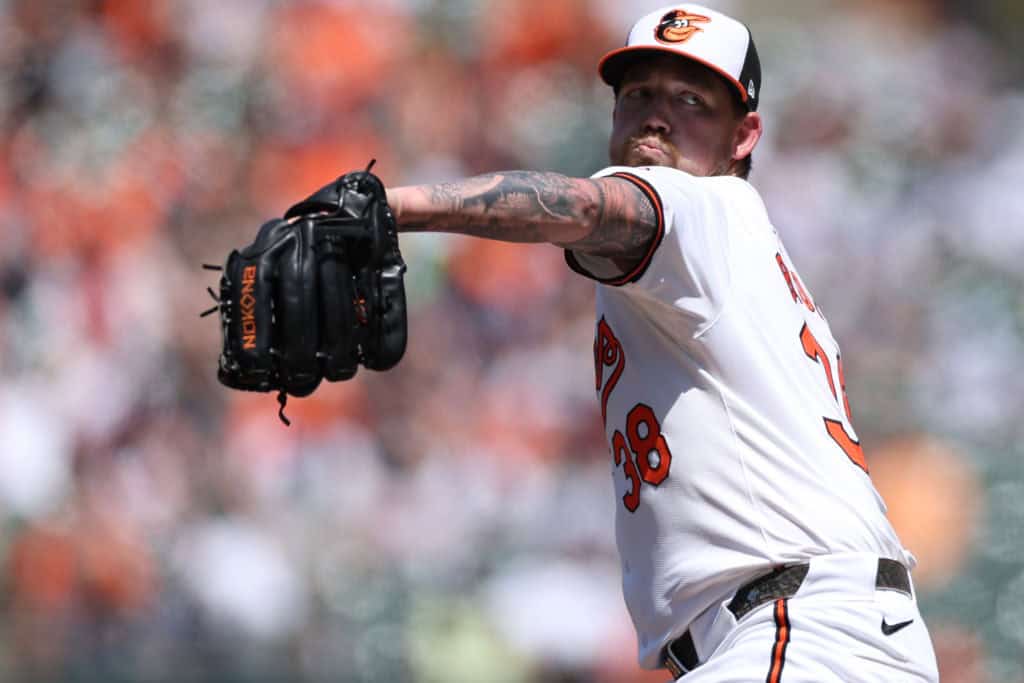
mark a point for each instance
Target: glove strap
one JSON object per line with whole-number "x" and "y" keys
{"x": 282, "y": 398}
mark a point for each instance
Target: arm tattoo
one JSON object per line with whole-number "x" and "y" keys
{"x": 607, "y": 216}
{"x": 627, "y": 222}
{"x": 514, "y": 206}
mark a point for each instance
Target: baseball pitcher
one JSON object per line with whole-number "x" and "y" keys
{"x": 753, "y": 544}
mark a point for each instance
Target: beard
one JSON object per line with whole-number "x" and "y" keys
{"x": 650, "y": 149}
{"x": 647, "y": 150}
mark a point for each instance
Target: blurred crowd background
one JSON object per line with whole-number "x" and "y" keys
{"x": 451, "y": 520}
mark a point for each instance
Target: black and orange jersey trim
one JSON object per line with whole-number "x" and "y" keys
{"x": 641, "y": 267}
{"x": 781, "y": 641}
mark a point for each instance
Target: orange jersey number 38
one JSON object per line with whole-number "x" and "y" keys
{"x": 642, "y": 452}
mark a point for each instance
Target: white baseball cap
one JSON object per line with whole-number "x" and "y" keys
{"x": 703, "y": 35}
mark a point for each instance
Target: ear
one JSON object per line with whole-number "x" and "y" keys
{"x": 747, "y": 135}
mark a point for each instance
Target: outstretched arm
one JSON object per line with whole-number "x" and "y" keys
{"x": 604, "y": 216}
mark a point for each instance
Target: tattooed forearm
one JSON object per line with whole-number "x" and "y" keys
{"x": 607, "y": 216}
{"x": 627, "y": 222}
{"x": 513, "y": 206}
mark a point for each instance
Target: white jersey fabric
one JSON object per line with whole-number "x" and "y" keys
{"x": 715, "y": 337}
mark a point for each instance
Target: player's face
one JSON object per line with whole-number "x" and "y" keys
{"x": 677, "y": 113}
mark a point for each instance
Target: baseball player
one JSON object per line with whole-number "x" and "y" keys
{"x": 753, "y": 544}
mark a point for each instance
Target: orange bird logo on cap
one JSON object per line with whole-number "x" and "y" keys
{"x": 678, "y": 26}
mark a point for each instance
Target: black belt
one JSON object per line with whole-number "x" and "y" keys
{"x": 681, "y": 655}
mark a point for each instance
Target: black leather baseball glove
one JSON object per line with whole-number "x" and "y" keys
{"x": 316, "y": 294}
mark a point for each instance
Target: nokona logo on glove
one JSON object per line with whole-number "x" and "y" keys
{"x": 247, "y": 304}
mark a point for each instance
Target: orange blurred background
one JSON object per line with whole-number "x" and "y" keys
{"x": 411, "y": 525}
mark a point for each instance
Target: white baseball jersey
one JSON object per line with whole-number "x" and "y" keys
{"x": 722, "y": 393}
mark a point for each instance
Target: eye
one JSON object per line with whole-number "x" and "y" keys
{"x": 690, "y": 99}
{"x": 635, "y": 93}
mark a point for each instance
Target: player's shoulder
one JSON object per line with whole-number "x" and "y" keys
{"x": 673, "y": 177}
{"x": 725, "y": 193}
{"x": 662, "y": 174}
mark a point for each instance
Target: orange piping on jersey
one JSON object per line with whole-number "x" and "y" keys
{"x": 659, "y": 210}
{"x": 641, "y": 267}
{"x": 781, "y": 641}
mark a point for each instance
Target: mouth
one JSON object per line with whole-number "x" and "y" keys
{"x": 650, "y": 148}
{"x": 646, "y": 147}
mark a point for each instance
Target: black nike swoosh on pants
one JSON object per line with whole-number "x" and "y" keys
{"x": 889, "y": 629}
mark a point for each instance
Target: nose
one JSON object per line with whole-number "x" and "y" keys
{"x": 656, "y": 119}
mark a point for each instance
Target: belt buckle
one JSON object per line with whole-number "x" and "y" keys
{"x": 685, "y": 660}
{"x": 674, "y": 666}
